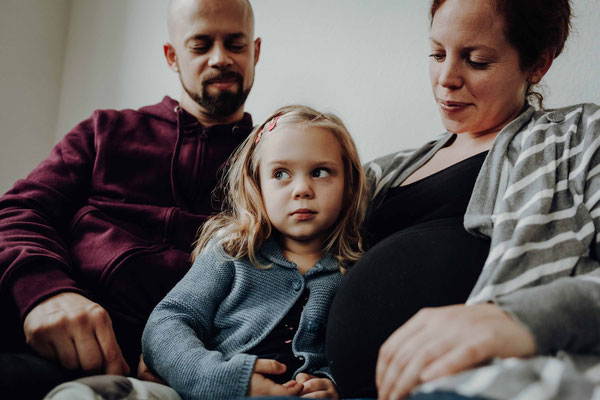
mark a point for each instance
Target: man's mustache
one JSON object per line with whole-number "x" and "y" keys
{"x": 224, "y": 75}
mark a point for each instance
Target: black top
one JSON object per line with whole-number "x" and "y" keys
{"x": 441, "y": 195}
{"x": 277, "y": 345}
{"x": 420, "y": 256}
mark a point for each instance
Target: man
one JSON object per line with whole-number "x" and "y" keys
{"x": 102, "y": 229}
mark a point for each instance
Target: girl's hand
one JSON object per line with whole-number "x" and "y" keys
{"x": 317, "y": 388}
{"x": 442, "y": 341}
{"x": 146, "y": 374}
{"x": 261, "y": 386}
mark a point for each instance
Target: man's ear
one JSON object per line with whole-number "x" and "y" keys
{"x": 256, "y": 50}
{"x": 541, "y": 67}
{"x": 171, "y": 57}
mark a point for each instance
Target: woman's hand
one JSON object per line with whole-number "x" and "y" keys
{"x": 442, "y": 341}
{"x": 261, "y": 386}
{"x": 317, "y": 388}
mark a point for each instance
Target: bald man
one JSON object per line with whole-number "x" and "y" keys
{"x": 101, "y": 230}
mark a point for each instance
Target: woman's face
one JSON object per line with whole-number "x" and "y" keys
{"x": 475, "y": 74}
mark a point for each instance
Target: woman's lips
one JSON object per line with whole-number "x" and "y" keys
{"x": 303, "y": 214}
{"x": 452, "y": 106}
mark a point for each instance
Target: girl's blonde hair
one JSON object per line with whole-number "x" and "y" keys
{"x": 243, "y": 225}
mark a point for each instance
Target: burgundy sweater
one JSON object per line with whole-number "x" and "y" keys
{"x": 113, "y": 211}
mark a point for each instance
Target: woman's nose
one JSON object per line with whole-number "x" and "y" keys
{"x": 450, "y": 74}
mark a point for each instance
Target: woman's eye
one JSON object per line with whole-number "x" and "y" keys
{"x": 321, "y": 173}
{"x": 478, "y": 65}
{"x": 279, "y": 175}
{"x": 437, "y": 57}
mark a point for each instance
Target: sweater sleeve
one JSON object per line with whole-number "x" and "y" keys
{"x": 34, "y": 217}
{"x": 324, "y": 372}
{"x": 564, "y": 314}
{"x": 176, "y": 339}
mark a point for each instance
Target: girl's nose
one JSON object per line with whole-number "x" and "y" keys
{"x": 302, "y": 189}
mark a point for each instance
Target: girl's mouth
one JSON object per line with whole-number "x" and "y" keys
{"x": 303, "y": 214}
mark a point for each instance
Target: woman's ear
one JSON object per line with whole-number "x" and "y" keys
{"x": 541, "y": 67}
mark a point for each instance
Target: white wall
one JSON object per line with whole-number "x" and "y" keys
{"x": 365, "y": 60}
{"x": 32, "y": 43}
{"x": 114, "y": 58}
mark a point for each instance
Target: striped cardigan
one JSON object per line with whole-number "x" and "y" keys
{"x": 537, "y": 197}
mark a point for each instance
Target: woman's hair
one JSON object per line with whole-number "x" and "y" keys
{"x": 243, "y": 225}
{"x": 532, "y": 27}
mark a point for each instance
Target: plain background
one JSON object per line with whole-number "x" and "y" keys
{"x": 364, "y": 60}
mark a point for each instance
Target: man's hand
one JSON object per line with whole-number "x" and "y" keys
{"x": 76, "y": 332}
{"x": 442, "y": 341}
{"x": 146, "y": 374}
{"x": 261, "y": 386}
{"x": 317, "y": 388}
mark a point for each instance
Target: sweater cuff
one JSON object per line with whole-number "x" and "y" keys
{"x": 30, "y": 285}
{"x": 245, "y": 375}
{"x": 324, "y": 373}
{"x": 557, "y": 316}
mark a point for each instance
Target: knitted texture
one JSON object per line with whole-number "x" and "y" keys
{"x": 196, "y": 337}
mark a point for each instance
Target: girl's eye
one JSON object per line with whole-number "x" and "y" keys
{"x": 321, "y": 173}
{"x": 437, "y": 57}
{"x": 279, "y": 175}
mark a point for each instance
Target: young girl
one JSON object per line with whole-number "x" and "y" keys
{"x": 250, "y": 315}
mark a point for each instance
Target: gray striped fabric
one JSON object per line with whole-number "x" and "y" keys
{"x": 537, "y": 198}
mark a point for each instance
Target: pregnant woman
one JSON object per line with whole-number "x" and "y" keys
{"x": 483, "y": 269}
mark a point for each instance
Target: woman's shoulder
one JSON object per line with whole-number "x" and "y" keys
{"x": 393, "y": 160}
{"x": 585, "y": 113}
{"x": 387, "y": 171}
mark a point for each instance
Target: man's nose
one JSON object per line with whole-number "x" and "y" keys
{"x": 219, "y": 57}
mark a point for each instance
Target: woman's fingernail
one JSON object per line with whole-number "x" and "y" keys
{"x": 427, "y": 375}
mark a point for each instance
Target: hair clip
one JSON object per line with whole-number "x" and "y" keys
{"x": 267, "y": 128}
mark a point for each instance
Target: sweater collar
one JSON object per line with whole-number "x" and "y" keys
{"x": 271, "y": 250}
{"x": 492, "y": 177}
{"x": 191, "y": 126}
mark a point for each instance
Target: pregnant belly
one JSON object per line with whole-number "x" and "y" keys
{"x": 429, "y": 265}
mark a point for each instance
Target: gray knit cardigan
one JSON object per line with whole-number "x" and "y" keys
{"x": 197, "y": 335}
{"x": 537, "y": 198}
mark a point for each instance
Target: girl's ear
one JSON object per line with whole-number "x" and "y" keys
{"x": 541, "y": 67}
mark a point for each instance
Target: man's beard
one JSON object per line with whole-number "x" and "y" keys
{"x": 223, "y": 104}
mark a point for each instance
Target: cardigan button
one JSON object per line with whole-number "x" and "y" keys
{"x": 557, "y": 117}
{"x": 297, "y": 285}
{"x": 312, "y": 326}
